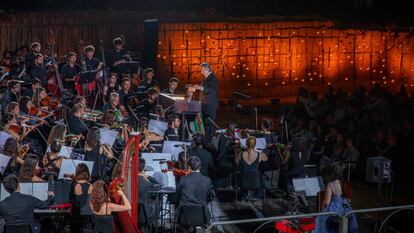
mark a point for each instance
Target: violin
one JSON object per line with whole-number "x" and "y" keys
{"x": 48, "y": 101}
{"x": 39, "y": 112}
{"x": 22, "y": 153}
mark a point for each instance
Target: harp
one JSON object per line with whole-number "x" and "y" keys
{"x": 127, "y": 180}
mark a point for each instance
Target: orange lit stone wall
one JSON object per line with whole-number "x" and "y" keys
{"x": 273, "y": 59}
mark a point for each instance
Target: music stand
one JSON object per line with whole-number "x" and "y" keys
{"x": 88, "y": 76}
{"x": 129, "y": 67}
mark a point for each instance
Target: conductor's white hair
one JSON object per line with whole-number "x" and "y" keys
{"x": 206, "y": 66}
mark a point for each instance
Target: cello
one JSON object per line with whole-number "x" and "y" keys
{"x": 54, "y": 82}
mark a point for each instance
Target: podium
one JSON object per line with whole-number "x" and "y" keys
{"x": 178, "y": 104}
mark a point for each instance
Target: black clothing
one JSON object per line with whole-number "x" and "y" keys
{"x": 145, "y": 186}
{"x": 29, "y": 59}
{"x": 172, "y": 134}
{"x": 210, "y": 103}
{"x": 168, "y": 91}
{"x": 28, "y": 92}
{"x": 205, "y": 157}
{"x": 38, "y": 71}
{"x": 103, "y": 223}
{"x": 17, "y": 209}
{"x": 102, "y": 166}
{"x": 11, "y": 97}
{"x": 143, "y": 87}
{"x": 91, "y": 64}
{"x": 91, "y": 155}
{"x": 145, "y": 108}
{"x": 111, "y": 90}
{"x": 68, "y": 72}
{"x": 81, "y": 211}
{"x": 114, "y": 56}
{"x": 76, "y": 125}
{"x": 51, "y": 169}
{"x": 123, "y": 97}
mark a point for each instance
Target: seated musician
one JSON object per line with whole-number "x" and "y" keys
{"x": 173, "y": 131}
{"x": 147, "y": 83}
{"x": 52, "y": 161}
{"x": 14, "y": 108}
{"x": 110, "y": 87}
{"x": 102, "y": 207}
{"x": 15, "y": 151}
{"x": 75, "y": 124}
{"x": 13, "y": 92}
{"x": 80, "y": 100}
{"x": 146, "y": 184}
{"x": 108, "y": 119}
{"x": 125, "y": 93}
{"x": 27, "y": 109}
{"x": 39, "y": 97}
{"x": 69, "y": 71}
{"x": 18, "y": 208}
{"x": 113, "y": 103}
{"x": 205, "y": 157}
{"x": 14, "y": 128}
{"x": 194, "y": 189}
{"x": 90, "y": 62}
{"x": 38, "y": 70}
{"x": 101, "y": 155}
{"x": 30, "y": 91}
{"x": 148, "y": 105}
{"x": 57, "y": 133}
{"x": 172, "y": 86}
{"x": 30, "y": 171}
{"x": 80, "y": 191}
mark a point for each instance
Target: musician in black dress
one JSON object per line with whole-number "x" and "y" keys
{"x": 209, "y": 98}
{"x": 172, "y": 86}
{"x": 69, "y": 71}
{"x": 90, "y": 62}
{"x": 38, "y": 70}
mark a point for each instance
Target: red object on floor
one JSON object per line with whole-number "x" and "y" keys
{"x": 305, "y": 224}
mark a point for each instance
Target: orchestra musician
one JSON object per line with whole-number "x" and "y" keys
{"x": 52, "y": 161}
{"x": 149, "y": 104}
{"x": 209, "y": 98}
{"x": 89, "y": 61}
{"x": 125, "y": 93}
{"x": 35, "y": 48}
{"x": 13, "y": 149}
{"x": 147, "y": 83}
{"x": 117, "y": 55}
{"x": 18, "y": 208}
{"x": 57, "y": 133}
{"x": 14, "y": 128}
{"x": 30, "y": 171}
{"x": 75, "y": 124}
{"x": 38, "y": 70}
{"x": 13, "y": 92}
{"x": 111, "y": 86}
{"x": 172, "y": 86}
{"x": 69, "y": 71}
{"x": 30, "y": 91}
{"x": 173, "y": 131}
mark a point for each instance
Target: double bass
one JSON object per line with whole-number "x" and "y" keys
{"x": 54, "y": 82}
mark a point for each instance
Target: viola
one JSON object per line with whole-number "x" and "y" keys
{"x": 39, "y": 112}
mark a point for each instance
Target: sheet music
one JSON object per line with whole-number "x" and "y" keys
{"x": 108, "y": 136}
{"x": 4, "y": 160}
{"x": 312, "y": 186}
{"x": 157, "y": 127}
{"x": 260, "y": 144}
{"x": 26, "y": 188}
{"x": 299, "y": 185}
{"x": 65, "y": 151}
{"x": 69, "y": 167}
{"x": 169, "y": 148}
{"x": 171, "y": 180}
{"x": 152, "y": 160}
{"x": 40, "y": 190}
{"x": 3, "y": 138}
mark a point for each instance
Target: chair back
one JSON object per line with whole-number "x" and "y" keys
{"x": 250, "y": 180}
{"x": 17, "y": 229}
{"x": 192, "y": 216}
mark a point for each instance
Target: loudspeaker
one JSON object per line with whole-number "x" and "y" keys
{"x": 151, "y": 27}
{"x": 378, "y": 170}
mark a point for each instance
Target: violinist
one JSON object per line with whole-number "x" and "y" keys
{"x": 39, "y": 98}
{"x": 17, "y": 154}
{"x": 14, "y": 109}
{"x": 69, "y": 71}
{"x": 75, "y": 124}
{"x": 14, "y": 128}
{"x": 89, "y": 61}
{"x": 52, "y": 161}
{"x": 102, "y": 156}
{"x": 114, "y": 104}
{"x": 57, "y": 133}
{"x": 38, "y": 70}
{"x": 108, "y": 119}
{"x": 30, "y": 91}
{"x": 30, "y": 171}
{"x": 111, "y": 86}
{"x": 13, "y": 93}
{"x": 80, "y": 100}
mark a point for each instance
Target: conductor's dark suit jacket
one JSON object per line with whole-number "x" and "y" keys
{"x": 209, "y": 97}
